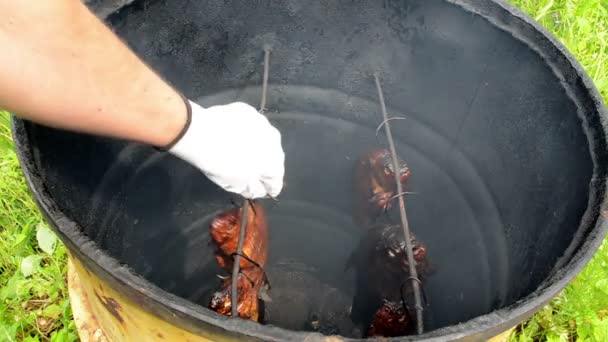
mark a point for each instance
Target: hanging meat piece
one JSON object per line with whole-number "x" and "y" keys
{"x": 391, "y": 320}
{"x": 252, "y": 284}
{"x": 225, "y": 229}
{"x": 374, "y": 185}
{"x": 382, "y": 272}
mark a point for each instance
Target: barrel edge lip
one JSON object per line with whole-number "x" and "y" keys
{"x": 477, "y": 328}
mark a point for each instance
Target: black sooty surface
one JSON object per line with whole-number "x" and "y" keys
{"x": 300, "y": 301}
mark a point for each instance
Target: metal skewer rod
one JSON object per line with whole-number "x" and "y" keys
{"x": 404, "y": 222}
{"x": 234, "y": 300}
{"x": 239, "y": 248}
{"x": 265, "y": 79}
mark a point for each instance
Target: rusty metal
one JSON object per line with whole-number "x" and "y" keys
{"x": 88, "y": 327}
{"x": 98, "y": 322}
{"x": 402, "y": 213}
{"x": 239, "y": 249}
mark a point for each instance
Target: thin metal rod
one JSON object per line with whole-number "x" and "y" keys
{"x": 265, "y": 81}
{"x": 384, "y": 121}
{"x": 404, "y": 223}
{"x": 388, "y": 203}
{"x": 265, "y": 89}
{"x": 234, "y": 295}
{"x": 237, "y": 260}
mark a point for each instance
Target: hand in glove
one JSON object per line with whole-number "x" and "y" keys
{"x": 234, "y": 146}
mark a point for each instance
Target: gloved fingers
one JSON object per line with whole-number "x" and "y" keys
{"x": 273, "y": 174}
{"x": 236, "y": 147}
{"x": 224, "y": 183}
{"x": 274, "y": 156}
{"x": 270, "y": 163}
{"x": 250, "y": 184}
{"x": 255, "y": 189}
{"x": 244, "y": 112}
{"x": 238, "y": 106}
{"x": 273, "y": 186}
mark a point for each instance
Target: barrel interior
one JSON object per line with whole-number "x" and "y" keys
{"x": 490, "y": 134}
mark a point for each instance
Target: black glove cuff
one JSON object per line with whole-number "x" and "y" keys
{"x": 183, "y": 131}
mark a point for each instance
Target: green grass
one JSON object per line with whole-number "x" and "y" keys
{"x": 34, "y": 304}
{"x": 580, "y": 312}
{"x": 581, "y": 25}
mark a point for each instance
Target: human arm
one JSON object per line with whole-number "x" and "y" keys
{"x": 62, "y": 67}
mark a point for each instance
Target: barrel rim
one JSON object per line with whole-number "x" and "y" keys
{"x": 185, "y": 314}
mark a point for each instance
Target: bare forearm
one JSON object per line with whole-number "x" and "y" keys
{"x": 60, "y": 66}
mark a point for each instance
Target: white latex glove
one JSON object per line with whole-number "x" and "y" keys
{"x": 236, "y": 147}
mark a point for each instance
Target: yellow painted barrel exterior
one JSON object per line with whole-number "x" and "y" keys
{"x": 103, "y": 315}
